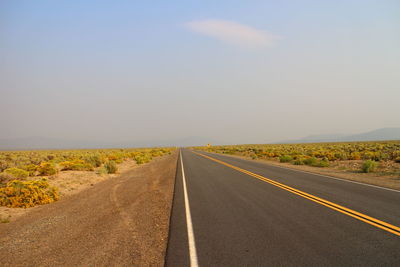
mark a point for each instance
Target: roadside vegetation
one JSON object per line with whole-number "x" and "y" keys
{"x": 380, "y": 158}
{"x": 25, "y": 176}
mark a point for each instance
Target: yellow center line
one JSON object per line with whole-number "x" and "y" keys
{"x": 352, "y": 213}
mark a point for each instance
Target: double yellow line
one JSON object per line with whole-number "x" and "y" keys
{"x": 352, "y": 213}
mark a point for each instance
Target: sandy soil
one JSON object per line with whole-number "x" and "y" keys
{"x": 344, "y": 170}
{"x": 122, "y": 221}
{"x": 72, "y": 182}
{"x": 69, "y": 183}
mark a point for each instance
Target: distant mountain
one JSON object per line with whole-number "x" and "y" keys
{"x": 375, "y": 135}
{"x": 30, "y": 143}
{"x": 321, "y": 137}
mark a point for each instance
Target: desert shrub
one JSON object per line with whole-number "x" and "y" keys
{"x": 298, "y": 161}
{"x": 369, "y": 166}
{"x": 31, "y": 169}
{"x": 47, "y": 168}
{"x": 101, "y": 171}
{"x": 76, "y": 165}
{"x": 381, "y": 151}
{"x": 330, "y": 156}
{"x": 142, "y": 158}
{"x": 322, "y": 163}
{"x": 157, "y": 153}
{"x": 310, "y": 161}
{"x": 94, "y": 160}
{"x": 395, "y": 155}
{"x": 47, "y": 162}
{"x": 4, "y": 165}
{"x": 111, "y": 166}
{"x": 285, "y": 158}
{"x": 5, "y": 178}
{"x": 355, "y": 156}
{"x": 381, "y": 156}
{"x": 341, "y": 156}
{"x": 116, "y": 157}
{"x": 368, "y": 155}
{"x": 25, "y": 194}
{"x": 112, "y": 157}
{"x": 17, "y": 173}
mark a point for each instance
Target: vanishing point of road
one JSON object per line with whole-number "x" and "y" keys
{"x": 233, "y": 212}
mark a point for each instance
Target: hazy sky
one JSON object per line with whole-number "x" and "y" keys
{"x": 237, "y": 71}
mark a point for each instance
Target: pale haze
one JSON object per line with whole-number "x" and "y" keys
{"x": 224, "y": 71}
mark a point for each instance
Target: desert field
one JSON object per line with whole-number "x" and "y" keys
{"x": 122, "y": 220}
{"x": 374, "y": 162}
{"x": 31, "y": 178}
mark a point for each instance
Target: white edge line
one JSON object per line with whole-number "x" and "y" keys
{"x": 331, "y": 177}
{"x": 191, "y": 241}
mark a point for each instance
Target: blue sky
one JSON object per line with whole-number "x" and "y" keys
{"x": 232, "y": 71}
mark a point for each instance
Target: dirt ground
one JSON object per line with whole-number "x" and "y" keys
{"x": 122, "y": 221}
{"x": 346, "y": 170}
{"x": 68, "y": 183}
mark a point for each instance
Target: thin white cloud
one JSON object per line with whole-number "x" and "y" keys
{"x": 232, "y": 32}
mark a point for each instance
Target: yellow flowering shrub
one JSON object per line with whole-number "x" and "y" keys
{"x": 110, "y": 166}
{"x": 49, "y": 162}
{"x": 320, "y": 153}
{"x": 31, "y": 169}
{"x": 76, "y": 165}
{"x": 141, "y": 158}
{"x": 47, "y": 168}
{"x": 17, "y": 173}
{"x": 25, "y": 194}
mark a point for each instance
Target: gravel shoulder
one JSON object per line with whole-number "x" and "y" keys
{"x": 122, "y": 221}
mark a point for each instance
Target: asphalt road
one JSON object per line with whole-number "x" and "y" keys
{"x": 238, "y": 220}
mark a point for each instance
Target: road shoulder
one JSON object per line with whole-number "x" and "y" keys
{"x": 119, "y": 221}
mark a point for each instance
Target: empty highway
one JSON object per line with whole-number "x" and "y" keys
{"x": 234, "y": 212}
